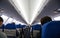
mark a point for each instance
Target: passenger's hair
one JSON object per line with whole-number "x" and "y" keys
{"x": 45, "y": 20}
{"x": 1, "y": 19}
{"x": 13, "y": 22}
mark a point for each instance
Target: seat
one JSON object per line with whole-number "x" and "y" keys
{"x": 36, "y": 30}
{"x": 2, "y": 28}
{"x": 51, "y": 30}
{"x": 36, "y": 27}
{"x": 10, "y": 30}
{"x": 20, "y": 27}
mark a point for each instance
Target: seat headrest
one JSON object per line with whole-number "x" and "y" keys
{"x": 51, "y": 30}
{"x": 10, "y": 26}
{"x": 20, "y": 26}
{"x": 36, "y": 27}
{"x": 23, "y": 26}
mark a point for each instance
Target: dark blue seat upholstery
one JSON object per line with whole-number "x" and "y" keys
{"x": 36, "y": 31}
{"x": 51, "y": 30}
{"x": 36, "y": 27}
{"x": 10, "y": 26}
{"x": 10, "y": 30}
{"x": 20, "y": 26}
{"x": 2, "y": 28}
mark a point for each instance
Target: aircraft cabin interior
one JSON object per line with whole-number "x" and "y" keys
{"x": 24, "y": 18}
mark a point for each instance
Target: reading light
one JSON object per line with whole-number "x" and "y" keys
{"x": 57, "y": 18}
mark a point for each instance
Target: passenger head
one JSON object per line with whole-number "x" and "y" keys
{"x": 45, "y": 20}
{"x": 13, "y": 22}
{"x": 1, "y": 20}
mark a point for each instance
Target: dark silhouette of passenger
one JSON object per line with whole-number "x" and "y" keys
{"x": 45, "y": 20}
{"x": 1, "y": 24}
{"x": 1, "y": 21}
{"x": 2, "y": 34}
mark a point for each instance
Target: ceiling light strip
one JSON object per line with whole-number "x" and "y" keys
{"x": 14, "y": 3}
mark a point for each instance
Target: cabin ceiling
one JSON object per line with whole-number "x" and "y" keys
{"x": 49, "y": 10}
{"x": 10, "y": 11}
{"x": 28, "y": 9}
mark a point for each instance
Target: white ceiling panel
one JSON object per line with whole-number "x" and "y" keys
{"x": 28, "y": 9}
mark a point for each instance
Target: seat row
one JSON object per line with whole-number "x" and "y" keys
{"x": 49, "y": 30}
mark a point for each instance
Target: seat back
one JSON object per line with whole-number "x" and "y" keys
{"x": 2, "y": 28}
{"x": 36, "y": 30}
{"x": 36, "y": 27}
{"x": 10, "y": 30}
{"x": 51, "y": 30}
{"x": 19, "y": 27}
